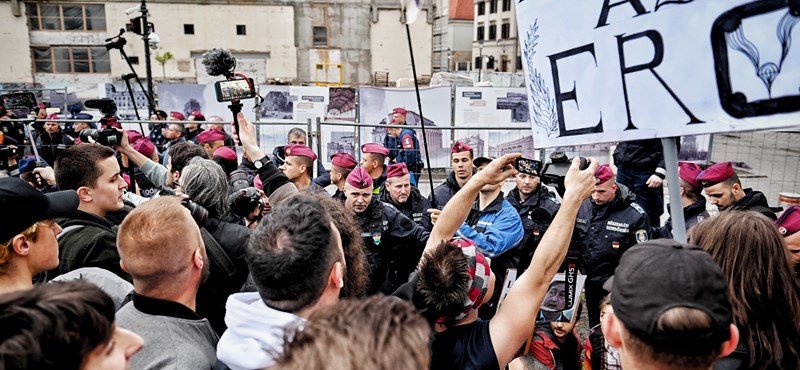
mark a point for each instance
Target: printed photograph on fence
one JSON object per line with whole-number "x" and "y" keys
{"x": 376, "y": 106}
{"x": 617, "y": 71}
{"x": 493, "y": 106}
{"x": 556, "y": 306}
{"x": 341, "y": 109}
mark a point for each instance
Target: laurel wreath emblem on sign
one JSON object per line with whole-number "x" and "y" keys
{"x": 544, "y": 106}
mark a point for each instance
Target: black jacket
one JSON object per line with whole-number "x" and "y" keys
{"x": 645, "y": 155}
{"x": 606, "y": 232}
{"x": 756, "y": 201}
{"x": 87, "y": 240}
{"x": 415, "y": 208}
{"x": 692, "y": 215}
{"x": 393, "y": 245}
{"x": 445, "y": 191}
{"x": 50, "y": 147}
{"x": 214, "y": 292}
{"x": 536, "y": 212}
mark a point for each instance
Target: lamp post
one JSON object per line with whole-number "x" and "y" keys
{"x": 147, "y": 63}
{"x": 480, "y": 57}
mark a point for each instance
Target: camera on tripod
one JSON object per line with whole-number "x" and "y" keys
{"x": 106, "y": 136}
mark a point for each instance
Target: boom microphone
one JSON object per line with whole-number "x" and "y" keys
{"x": 219, "y": 62}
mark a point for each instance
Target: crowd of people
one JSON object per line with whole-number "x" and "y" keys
{"x": 172, "y": 251}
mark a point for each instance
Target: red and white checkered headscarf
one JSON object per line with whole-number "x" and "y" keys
{"x": 479, "y": 274}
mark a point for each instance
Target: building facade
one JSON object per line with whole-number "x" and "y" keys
{"x": 452, "y": 35}
{"x": 495, "y": 46}
{"x": 63, "y": 43}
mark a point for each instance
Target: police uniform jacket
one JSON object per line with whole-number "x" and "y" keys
{"x": 393, "y": 245}
{"x": 404, "y": 148}
{"x": 51, "y": 146}
{"x": 339, "y": 195}
{"x": 540, "y": 205}
{"x": 495, "y": 229}
{"x": 415, "y": 208}
{"x": 607, "y": 231}
{"x": 692, "y": 215}
{"x": 755, "y": 201}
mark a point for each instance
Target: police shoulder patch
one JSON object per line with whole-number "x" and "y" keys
{"x": 641, "y": 236}
{"x": 638, "y": 208}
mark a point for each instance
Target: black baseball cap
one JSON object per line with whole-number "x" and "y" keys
{"x": 480, "y": 161}
{"x": 21, "y": 206}
{"x": 659, "y": 275}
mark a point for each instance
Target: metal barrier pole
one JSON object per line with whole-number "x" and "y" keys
{"x": 673, "y": 181}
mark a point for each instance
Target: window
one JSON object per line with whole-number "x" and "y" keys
{"x": 480, "y": 32}
{"x": 241, "y": 29}
{"x": 478, "y": 64}
{"x": 133, "y": 59}
{"x": 462, "y": 66}
{"x": 493, "y": 6}
{"x": 505, "y": 31}
{"x": 320, "y": 37}
{"x": 71, "y": 59}
{"x": 73, "y": 17}
{"x": 481, "y": 8}
{"x": 506, "y": 5}
{"x": 492, "y": 31}
{"x": 188, "y": 29}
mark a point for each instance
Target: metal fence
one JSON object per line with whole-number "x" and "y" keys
{"x": 768, "y": 161}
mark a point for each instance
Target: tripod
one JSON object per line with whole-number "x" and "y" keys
{"x": 117, "y": 42}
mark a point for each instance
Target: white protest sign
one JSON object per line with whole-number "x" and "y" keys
{"x": 616, "y": 70}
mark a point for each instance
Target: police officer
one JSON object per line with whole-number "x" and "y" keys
{"x": 461, "y": 157}
{"x": 789, "y": 226}
{"x": 640, "y": 167}
{"x": 373, "y": 159}
{"x": 297, "y": 167}
{"x": 725, "y": 191}
{"x": 692, "y": 200}
{"x": 403, "y": 144}
{"x": 608, "y": 223}
{"x": 392, "y": 242}
{"x": 399, "y": 192}
{"x": 341, "y": 166}
{"x": 537, "y": 206}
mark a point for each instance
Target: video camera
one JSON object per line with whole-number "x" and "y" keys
{"x": 106, "y": 136}
{"x": 556, "y": 170}
{"x": 7, "y": 152}
{"x": 109, "y": 109}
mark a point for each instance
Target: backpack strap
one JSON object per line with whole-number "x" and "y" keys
{"x": 217, "y": 254}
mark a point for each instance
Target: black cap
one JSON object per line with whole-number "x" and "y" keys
{"x": 21, "y": 206}
{"x": 655, "y": 276}
{"x": 480, "y": 161}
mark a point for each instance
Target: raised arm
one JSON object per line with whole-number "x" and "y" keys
{"x": 277, "y": 187}
{"x": 457, "y": 209}
{"x": 155, "y": 172}
{"x": 515, "y": 320}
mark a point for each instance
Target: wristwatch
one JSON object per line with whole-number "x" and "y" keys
{"x": 261, "y": 162}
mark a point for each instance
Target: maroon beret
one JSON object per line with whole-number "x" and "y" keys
{"x": 144, "y": 146}
{"x": 374, "y": 148}
{"x": 198, "y": 116}
{"x": 789, "y": 222}
{"x": 344, "y": 160}
{"x": 177, "y": 115}
{"x": 399, "y": 110}
{"x": 716, "y": 174}
{"x": 359, "y": 178}
{"x": 460, "y": 147}
{"x": 133, "y": 136}
{"x": 208, "y": 136}
{"x": 688, "y": 172}
{"x": 603, "y": 174}
{"x": 396, "y": 170}
{"x": 299, "y": 150}
{"x": 225, "y": 152}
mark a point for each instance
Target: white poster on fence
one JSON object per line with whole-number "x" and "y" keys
{"x": 621, "y": 70}
{"x": 376, "y": 105}
{"x": 493, "y": 107}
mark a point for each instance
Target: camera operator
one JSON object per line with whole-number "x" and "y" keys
{"x": 52, "y": 141}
